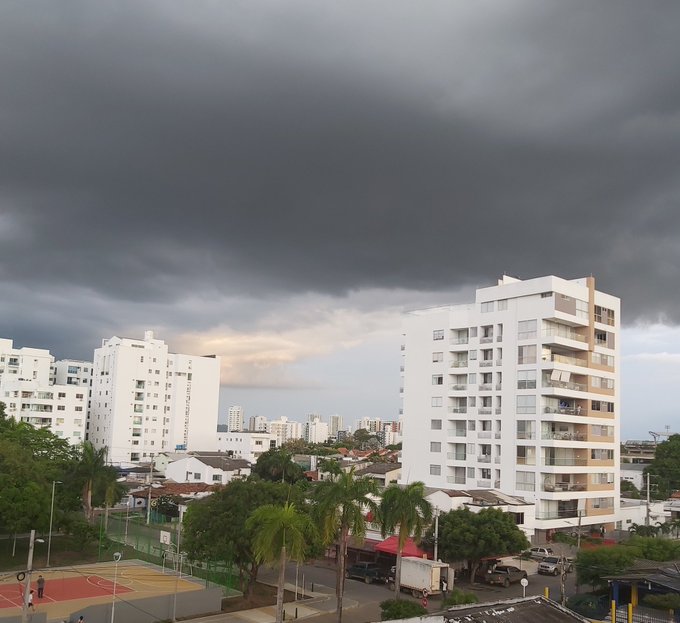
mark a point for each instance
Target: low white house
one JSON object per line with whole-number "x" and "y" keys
{"x": 212, "y": 470}
{"x": 247, "y": 445}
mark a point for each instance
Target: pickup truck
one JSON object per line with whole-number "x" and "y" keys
{"x": 369, "y": 572}
{"x": 505, "y": 575}
{"x": 552, "y": 565}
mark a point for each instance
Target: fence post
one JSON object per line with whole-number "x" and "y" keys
{"x": 630, "y": 613}
{"x": 613, "y": 611}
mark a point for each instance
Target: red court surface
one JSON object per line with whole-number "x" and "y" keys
{"x": 11, "y": 595}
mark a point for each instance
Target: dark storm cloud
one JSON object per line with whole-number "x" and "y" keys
{"x": 149, "y": 150}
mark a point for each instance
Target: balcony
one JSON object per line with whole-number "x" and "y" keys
{"x": 577, "y": 387}
{"x": 570, "y": 361}
{"x": 565, "y": 410}
{"x": 484, "y": 410}
{"x": 484, "y": 434}
{"x": 497, "y": 459}
{"x": 564, "y": 436}
{"x": 461, "y": 363}
{"x": 455, "y": 480}
{"x": 486, "y": 363}
{"x": 457, "y": 432}
{"x": 574, "y": 462}
{"x": 457, "y": 409}
{"x": 526, "y": 435}
{"x": 455, "y": 341}
{"x": 456, "y": 456}
{"x": 484, "y": 483}
{"x": 497, "y": 435}
{"x": 459, "y": 387}
{"x": 525, "y": 460}
{"x": 564, "y": 333}
{"x": 560, "y": 487}
{"x": 486, "y": 339}
{"x": 558, "y": 514}
{"x": 486, "y": 387}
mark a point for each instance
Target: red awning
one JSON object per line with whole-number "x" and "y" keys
{"x": 390, "y": 546}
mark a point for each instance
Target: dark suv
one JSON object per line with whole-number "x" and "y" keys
{"x": 369, "y": 572}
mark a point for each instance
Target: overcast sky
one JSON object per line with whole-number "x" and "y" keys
{"x": 276, "y": 182}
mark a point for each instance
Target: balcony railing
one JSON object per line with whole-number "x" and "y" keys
{"x": 570, "y": 335}
{"x": 484, "y": 434}
{"x": 525, "y": 460}
{"x": 484, "y": 483}
{"x": 548, "y": 460}
{"x": 486, "y": 339}
{"x": 457, "y": 409}
{"x": 456, "y": 480}
{"x": 458, "y": 340}
{"x": 458, "y": 387}
{"x": 497, "y": 459}
{"x": 457, "y": 432}
{"x": 578, "y": 387}
{"x": 461, "y": 363}
{"x": 564, "y": 436}
{"x": 456, "y": 456}
{"x": 565, "y": 410}
{"x": 484, "y": 410}
{"x": 572, "y": 361}
{"x": 499, "y": 338}
{"x": 497, "y": 435}
{"x": 559, "y": 487}
{"x": 486, "y": 363}
{"x": 486, "y": 387}
{"x": 559, "y": 514}
{"x": 526, "y": 435}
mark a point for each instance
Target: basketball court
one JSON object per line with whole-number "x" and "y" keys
{"x": 70, "y": 588}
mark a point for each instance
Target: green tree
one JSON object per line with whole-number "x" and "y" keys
{"x": 277, "y": 465}
{"x": 280, "y": 533}
{"x": 629, "y": 490}
{"x": 406, "y": 511}
{"x": 594, "y": 565}
{"x": 664, "y": 470}
{"x": 341, "y": 504}
{"x": 91, "y": 470}
{"x": 214, "y": 528}
{"x": 396, "y": 609}
{"x": 464, "y": 535}
{"x": 651, "y": 548}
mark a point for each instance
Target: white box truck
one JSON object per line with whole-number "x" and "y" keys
{"x": 421, "y": 576}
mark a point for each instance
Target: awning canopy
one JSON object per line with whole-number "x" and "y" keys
{"x": 391, "y": 545}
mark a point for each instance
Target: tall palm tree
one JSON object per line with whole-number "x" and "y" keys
{"x": 341, "y": 505}
{"x": 280, "y": 533}
{"x": 92, "y": 464}
{"x": 406, "y": 511}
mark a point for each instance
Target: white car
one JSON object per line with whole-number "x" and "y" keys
{"x": 538, "y": 553}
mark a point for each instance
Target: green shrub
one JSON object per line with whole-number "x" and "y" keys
{"x": 458, "y": 597}
{"x": 669, "y": 601}
{"x": 400, "y": 609}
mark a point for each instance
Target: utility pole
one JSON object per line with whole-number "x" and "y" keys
{"x": 578, "y": 532}
{"x": 148, "y": 501}
{"x": 27, "y": 587}
{"x": 647, "y": 514}
{"x": 563, "y": 579}
{"x": 436, "y": 533}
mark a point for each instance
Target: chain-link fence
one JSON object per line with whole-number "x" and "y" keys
{"x": 157, "y": 543}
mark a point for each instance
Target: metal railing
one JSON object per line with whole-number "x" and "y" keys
{"x": 486, "y": 339}
{"x": 486, "y": 363}
{"x": 457, "y": 387}
{"x": 484, "y": 483}
{"x": 458, "y": 340}
{"x": 456, "y": 456}
{"x": 572, "y": 361}
{"x": 570, "y": 335}
{"x": 564, "y": 486}
{"x": 486, "y": 387}
{"x": 564, "y": 436}
{"x": 484, "y": 434}
{"x": 460, "y": 364}
{"x": 457, "y": 409}
{"x": 548, "y": 460}
{"x": 578, "y": 387}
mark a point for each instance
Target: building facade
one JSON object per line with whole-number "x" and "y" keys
{"x": 235, "y": 418}
{"x": 519, "y": 392}
{"x": 316, "y": 431}
{"x": 285, "y": 430}
{"x": 146, "y": 400}
{"x": 247, "y": 445}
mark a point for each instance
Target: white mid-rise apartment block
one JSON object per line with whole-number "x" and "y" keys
{"x": 146, "y": 400}
{"x": 372, "y": 425}
{"x": 519, "y": 392}
{"x": 285, "y": 430}
{"x": 247, "y": 445}
{"x": 235, "y": 418}
{"x": 390, "y": 434}
{"x": 71, "y": 372}
{"x": 316, "y": 431}
{"x": 30, "y": 394}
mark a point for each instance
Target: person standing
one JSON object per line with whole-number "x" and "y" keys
{"x": 30, "y": 601}
{"x": 41, "y": 586}
{"x": 445, "y": 587}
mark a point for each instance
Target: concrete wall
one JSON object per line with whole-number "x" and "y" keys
{"x": 36, "y": 617}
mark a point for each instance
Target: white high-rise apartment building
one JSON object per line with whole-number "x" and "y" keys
{"x": 146, "y": 400}
{"x": 258, "y": 423}
{"x": 519, "y": 392}
{"x": 30, "y": 394}
{"x": 335, "y": 424}
{"x": 372, "y": 425}
{"x": 71, "y": 372}
{"x": 235, "y": 418}
{"x": 316, "y": 431}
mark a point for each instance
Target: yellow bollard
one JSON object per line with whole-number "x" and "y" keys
{"x": 630, "y": 613}
{"x": 634, "y": 594}
{"x": 613, "y": 611}
{"x": 546, "y": 592}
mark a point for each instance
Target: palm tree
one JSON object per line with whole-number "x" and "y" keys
{"x": 280, "y": 532}
{"x": 342, "y": 503}
{"x": 92, "y": 464}
{"x": 405, "y": 510}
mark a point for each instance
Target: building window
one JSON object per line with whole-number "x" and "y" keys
{"x": 437, "y": 401}
{"x": 471, "y": 424}
{"x": 435, "y": 424}
{"x": 470, "y": 472}
{"x": 525, "y": 481}
{"x": 502, "y": 304}
{"x": 487, "y": 307}
{"x": 437, "y": 379}
{"x": 526, "y": 404}
{"x": 438, "y": 334}
{"x": 197, "y": 476}
{"x": 526, "y": 379}
{"x": 217, "y": 478}
{"x": 526, "y": 329}
{"x": 602, "y": 383}
{"x": 435, "y": 446}
{"x": 526, "y": 354}
{"x": 598, "y": 454}
{"x": 437, "y": 357}
{"x": 435, "y": 470}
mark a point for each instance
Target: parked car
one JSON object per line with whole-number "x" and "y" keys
{"x": 369, "y": 572}
{"x": 552, "y": 565}
{"x": 537, "y": 553}
{"x": 505, "y": 575}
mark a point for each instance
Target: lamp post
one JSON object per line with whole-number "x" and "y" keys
{"x": 116, "y": 557}
{"x": 148, "y": 501}
{"x": 178, "y": 575}
{"x": 49, "y": 538}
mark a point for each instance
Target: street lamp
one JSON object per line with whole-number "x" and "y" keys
{"x": 116, "y": 558}
{"x": 49, "y": 538}
{"x": 29, "y": 570}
